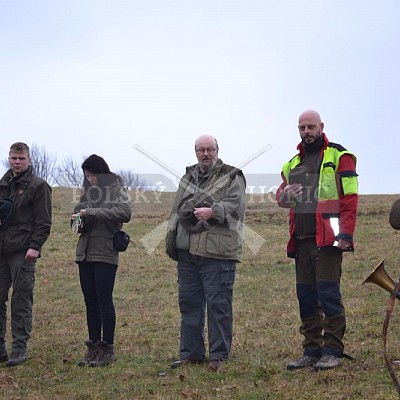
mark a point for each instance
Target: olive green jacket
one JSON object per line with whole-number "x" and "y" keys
{"x": 31, "y": 222}
{"x": 226, "y": 185}
{"x": 100, "y": 223}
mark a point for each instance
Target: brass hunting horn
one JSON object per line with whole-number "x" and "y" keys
{"x": 380, "y": 277}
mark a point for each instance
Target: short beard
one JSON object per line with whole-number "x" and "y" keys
{"x": 205, "y": 168}
{"x": 316, "y": 139}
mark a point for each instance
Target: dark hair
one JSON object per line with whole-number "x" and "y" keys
{"x": 98, "y": 166}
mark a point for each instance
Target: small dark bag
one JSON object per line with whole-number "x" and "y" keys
{"x": 121, "y": 240}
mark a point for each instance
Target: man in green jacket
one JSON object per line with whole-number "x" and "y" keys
{"x": 205, "y": 235}
{"x": 21, "y": 240}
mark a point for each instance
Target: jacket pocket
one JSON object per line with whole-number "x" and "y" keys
{"x": 101, "y": 245}
{"x": 328, "y": 187}
{"x": 222, "y": 244}
{"x": 17, "y": 239}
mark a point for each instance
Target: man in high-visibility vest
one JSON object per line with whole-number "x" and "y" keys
{"x": 320, "y": 187}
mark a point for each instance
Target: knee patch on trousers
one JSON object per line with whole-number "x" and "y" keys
{"x": 308, "y": 300}
{"x": 330, "y": 297}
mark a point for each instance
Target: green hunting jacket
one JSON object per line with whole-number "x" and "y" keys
{"x": 102, "y": 220}
{"x": 30, "y": 225}
{"x": 226, "y": 185}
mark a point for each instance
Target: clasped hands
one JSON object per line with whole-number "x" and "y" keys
{"x": 203, "y": 213}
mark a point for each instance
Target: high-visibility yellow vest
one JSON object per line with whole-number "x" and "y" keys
{"x": 327, "y": 186}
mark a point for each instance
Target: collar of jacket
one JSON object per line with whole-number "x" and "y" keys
{"x": 24, "y": 179}
{"x": 301, "y": 150}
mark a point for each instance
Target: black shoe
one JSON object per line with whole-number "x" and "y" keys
{"x": 16, "y": 358}
{"x": 215, "y": 365}
{"x": 183, "y": 361}
{"x": 3, "y": 354}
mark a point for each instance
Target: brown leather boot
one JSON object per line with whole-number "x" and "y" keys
{"x": 104, "y": 355}
{"x": 90, "y": 354}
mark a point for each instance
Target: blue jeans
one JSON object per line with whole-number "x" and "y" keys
{"x": 205, "y": 283}
{"x": 97, "y": 284}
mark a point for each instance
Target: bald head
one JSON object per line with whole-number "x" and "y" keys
{"x": 206, "y": 139}
{"x": 310, "y": 115}
{"x": 206, "y": 148}
{"x": 310, "y": 126}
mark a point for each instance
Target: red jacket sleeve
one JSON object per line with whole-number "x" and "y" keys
{"x": 348, "y": 202}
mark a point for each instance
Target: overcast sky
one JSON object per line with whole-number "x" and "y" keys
{"x": 101, "y": 76}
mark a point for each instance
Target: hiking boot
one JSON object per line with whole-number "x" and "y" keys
{"x": 16, "y": 358}
{"x": 183, "y": 361}
{"x": 104, "y": 355}
{"x": 90, "y": 354}
{"x": 214, "y": 365}
{"x": 3, "y": 354}
{"x": 303, "y": 362}
{"x": 328, "y": 362}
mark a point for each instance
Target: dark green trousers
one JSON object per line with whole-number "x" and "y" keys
{"x": 18, "y": 274}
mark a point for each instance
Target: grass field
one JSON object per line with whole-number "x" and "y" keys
{"x": 266, "y": 317}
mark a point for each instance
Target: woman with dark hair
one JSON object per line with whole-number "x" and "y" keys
{"x": 103, "y": 207}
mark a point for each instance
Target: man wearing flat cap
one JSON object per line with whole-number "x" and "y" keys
{"x": 204, "y": 236}
{"x": 25, "y": 213}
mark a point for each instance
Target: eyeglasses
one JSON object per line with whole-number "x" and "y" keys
{"x": 209, "y": 150}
